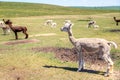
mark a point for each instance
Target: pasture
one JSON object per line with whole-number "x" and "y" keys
{"x": 23, "y": 59}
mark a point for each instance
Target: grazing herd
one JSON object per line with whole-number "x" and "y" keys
{"x": 99, "y": 45}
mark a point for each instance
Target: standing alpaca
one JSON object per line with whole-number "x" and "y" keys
{"x": 16, "y": 29}
{"x": 5, "y": 28}
{"x": 116, "y": 20}
{"x": 99, "y": 45}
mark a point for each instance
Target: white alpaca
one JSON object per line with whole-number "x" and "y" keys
{"x": 48, "y": 22}
{"x": 99, "y": 45}
{"x": 91, "y": 23}
{"x": 53, "y": 24}
{"x": 96, "y": 26}
{"x": 5, "y": 28}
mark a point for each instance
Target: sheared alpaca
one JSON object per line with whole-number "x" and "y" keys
{"x": 51, "y": 23}
{"x": 99, "y": 45}
{"x": 16, "y": 29}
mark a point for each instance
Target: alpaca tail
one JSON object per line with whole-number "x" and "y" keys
{"x": 25, "y": 28}
{"x": 113, "y": 43}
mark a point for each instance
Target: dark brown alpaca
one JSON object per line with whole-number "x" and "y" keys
{"x": 16, "y": 29}
{"x": 116, "y": 20}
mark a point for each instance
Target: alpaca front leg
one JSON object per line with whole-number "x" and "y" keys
{"x": 16, "y": 36}
{"x": 80, "y": 62}
{"x": 80, "y": 66}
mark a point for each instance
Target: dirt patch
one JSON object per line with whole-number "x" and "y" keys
{"x": 20, "y": 42}
{"x": 67, "y": 54}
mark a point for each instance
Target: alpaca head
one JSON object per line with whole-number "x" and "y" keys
{"x": 66, "y": 27}
{"x": 8, "y": 22}
{"x": 114, "y": 17}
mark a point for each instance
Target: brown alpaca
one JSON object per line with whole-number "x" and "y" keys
{"x": 16, "y": 29}
{"x": 116, "y": 20}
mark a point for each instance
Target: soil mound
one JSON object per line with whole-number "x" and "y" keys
{"x": 67, "y": 54}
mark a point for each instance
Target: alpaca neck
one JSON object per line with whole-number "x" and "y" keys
{"x": 115, "y": 18}
{"x": 71, "y": 37}
{"x": 10, "y": 25}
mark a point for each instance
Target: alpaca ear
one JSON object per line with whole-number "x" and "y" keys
{"x": 71, "y": 25}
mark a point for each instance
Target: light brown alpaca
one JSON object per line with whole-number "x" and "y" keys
{"x": 99, "y": 45}
{"x": 116, "y": 20}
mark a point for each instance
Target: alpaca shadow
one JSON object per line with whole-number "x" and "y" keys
{"x": 75, "y": 69}
{"x": 83, "y": 20}
{"x": 114, "y": 30}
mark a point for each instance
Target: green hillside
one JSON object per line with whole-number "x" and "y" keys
{"x": 99, "y": 8}
{"x": 15, "y": 9}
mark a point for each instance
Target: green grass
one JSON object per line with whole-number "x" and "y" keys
{"x": 19, "y": 61}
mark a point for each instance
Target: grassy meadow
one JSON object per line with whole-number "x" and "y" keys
{"x": 20, "y": 62}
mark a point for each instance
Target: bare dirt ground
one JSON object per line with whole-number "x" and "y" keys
{"x": 20, "y": 42}
{"x": 67, "y": 54}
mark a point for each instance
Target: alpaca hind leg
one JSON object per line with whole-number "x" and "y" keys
{"x": 109, "y": 65}
{"x": 25, "y": 34}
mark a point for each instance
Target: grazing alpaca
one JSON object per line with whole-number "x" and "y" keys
{"x": 48, "y": 22}
{"x": 91, "y": 23}
{"x": 53, "y": 24}
{"x": 5, "y": 28}
{"x": 16, "y": 29}
{"x": 116, "y": 20}
{"x": 99, "y": 45}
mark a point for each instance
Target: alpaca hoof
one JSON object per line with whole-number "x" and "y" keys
{"x": 80, "y": 69}
{"x": 25, "y": 38}
{"x": 106, "y": 75}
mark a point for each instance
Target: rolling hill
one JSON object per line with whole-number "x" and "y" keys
{"x": 19, "y": 9}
